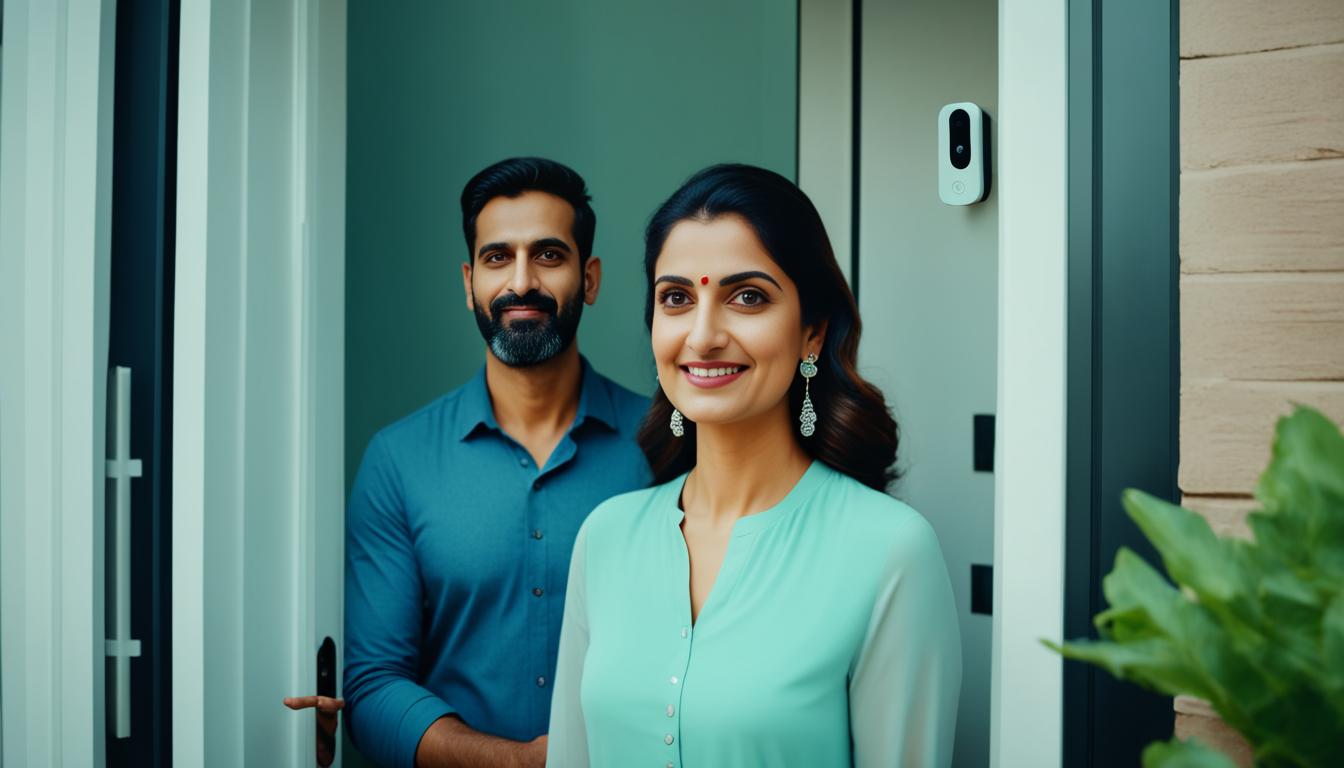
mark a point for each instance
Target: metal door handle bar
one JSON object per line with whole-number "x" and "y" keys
{"x": 121, "y": 469}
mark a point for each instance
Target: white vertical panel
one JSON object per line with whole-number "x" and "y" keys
{"x": 258, "y": 486}
{"x": 55, "y": 206}
{"x": 1029, "y": 527}
{"x": 323, "y": 375}
{"x": 189, "y": 380}
{"x": 208, "y": 396}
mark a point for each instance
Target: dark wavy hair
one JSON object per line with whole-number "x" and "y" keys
{"x": 855, "y": 432}
{"x": 513, "y": 177}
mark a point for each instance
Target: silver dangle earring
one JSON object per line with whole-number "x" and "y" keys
{"x": 808, "y": 418}
{"x": 677, "y": 424}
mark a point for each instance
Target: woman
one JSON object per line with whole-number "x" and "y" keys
{"x": 765, "y": 603}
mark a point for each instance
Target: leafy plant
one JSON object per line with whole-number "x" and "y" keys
{"x": 1256, "y": 627}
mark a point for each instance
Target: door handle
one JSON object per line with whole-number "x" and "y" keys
{"x": 121, "y": 469}
{"x": 326, "y": 686}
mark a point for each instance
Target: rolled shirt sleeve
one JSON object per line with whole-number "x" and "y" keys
{"x": 906, "y": 679}
{"x": 387, "y": 710}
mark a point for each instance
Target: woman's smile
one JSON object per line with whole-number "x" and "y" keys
{"x": 710, "y": 375}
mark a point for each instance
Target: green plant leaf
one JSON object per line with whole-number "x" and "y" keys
{"x": 1183, "y": 754}
{"x": 1194, "y": 556}
{"x": 1255, "y": 627}
{"x": 1155, "y": 664}
{"x": 1302, "y": 491}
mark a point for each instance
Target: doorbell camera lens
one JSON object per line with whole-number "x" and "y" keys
{"x": 959, "y": 138}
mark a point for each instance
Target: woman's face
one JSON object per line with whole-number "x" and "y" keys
{"x": 727, "y": 323}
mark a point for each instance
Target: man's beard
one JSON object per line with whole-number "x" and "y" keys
{"x": 523, "y": 343}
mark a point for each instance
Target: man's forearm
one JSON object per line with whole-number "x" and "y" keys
{"x": 451, "y": 743}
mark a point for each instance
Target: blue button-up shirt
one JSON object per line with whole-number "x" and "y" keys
{"x": 457, "y": 555}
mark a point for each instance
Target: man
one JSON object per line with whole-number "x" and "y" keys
{"x": 463, "y": 514}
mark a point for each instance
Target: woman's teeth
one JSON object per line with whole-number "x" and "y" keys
{"x": 710, "y": 373}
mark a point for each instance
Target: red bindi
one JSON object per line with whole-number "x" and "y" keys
{"x": 704, "y": 279}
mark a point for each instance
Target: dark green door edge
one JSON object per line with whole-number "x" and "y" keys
{"x": 1123, "y": 336}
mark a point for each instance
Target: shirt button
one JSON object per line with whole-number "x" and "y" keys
{"x": 536, "y": 534}
{"x": 673, "y": 680}
{"x": 668, "y": 739}
{"x": 536, "y": 485}
{"x": 671, "y": 710}
{"x": 684, "y": 633}
{"x": 536, "y": 591}
{"x": 541, "y": 682}
{"x": 523, "y": 462}
{"x": 671, "y": 765}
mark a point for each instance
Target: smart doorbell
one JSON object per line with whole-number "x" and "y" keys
{"x": 963, "y": 162}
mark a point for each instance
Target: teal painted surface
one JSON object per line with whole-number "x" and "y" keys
{"x": 634, "y": 95}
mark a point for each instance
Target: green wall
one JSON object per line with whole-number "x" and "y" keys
{"x": 634, "y": 95}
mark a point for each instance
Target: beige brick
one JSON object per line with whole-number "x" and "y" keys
{"x": 1263, "y": 326}
{"x": 1226, "y": 515}
{"x": 1263, "y": 107}
{"x": 1195, "y": 718}
{"x": 1227, "y": 428}
{"x": 1263, "y": 218}
{"x": 1220, "y": 27}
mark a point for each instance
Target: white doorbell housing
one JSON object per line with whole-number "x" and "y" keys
{"x": 963, "y": 154}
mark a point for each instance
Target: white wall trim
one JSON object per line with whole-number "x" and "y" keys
{"x": 1027, "y": 697}
{"x": 55, "y": 236}
{"x": 324, "y": 333}
{"x": 319, "y": 325}
{"x": 189, "y": 382}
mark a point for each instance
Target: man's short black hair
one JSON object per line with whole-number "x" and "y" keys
{"x": 513, "y": 177}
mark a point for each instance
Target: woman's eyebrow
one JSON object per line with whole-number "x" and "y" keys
{"x": 740, "y": 276}
{"x": 677, "y": 279}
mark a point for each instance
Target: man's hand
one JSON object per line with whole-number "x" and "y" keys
{"x": 327, "y": 720}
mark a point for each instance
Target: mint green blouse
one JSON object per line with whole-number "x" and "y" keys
{"x": 829, "y": 637}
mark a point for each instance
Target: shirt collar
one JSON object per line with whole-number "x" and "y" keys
{"x": 475, "y": 409}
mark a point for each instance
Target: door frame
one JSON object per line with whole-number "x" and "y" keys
{"x": 1026, "y": 712}
{"x": 1124, "y": 345}
{"x": 216, "y": 180}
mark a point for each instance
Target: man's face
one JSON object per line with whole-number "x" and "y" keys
{"x": 524, "y": 282}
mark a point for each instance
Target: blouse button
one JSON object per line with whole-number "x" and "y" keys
{"x": 673, "y": 680}
{"x": 668, "y": 739}
{"x": 671, "y": 710}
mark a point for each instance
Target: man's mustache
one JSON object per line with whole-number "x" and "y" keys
{"x": 533, "y": 299}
